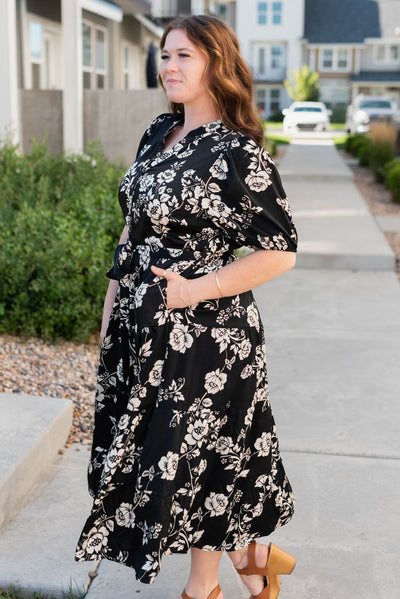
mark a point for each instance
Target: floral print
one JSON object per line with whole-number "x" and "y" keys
{"x": 185, "y": 452}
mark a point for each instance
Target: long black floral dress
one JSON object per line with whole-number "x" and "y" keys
{"x": 185, "y": 452}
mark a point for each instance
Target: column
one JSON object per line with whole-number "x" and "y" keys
{"x": 9, "y": 99}
{"x": 71, "y": 17}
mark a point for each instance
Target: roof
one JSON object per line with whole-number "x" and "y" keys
{"x": 350, "y": 21}
{"x": 392, "y": 76}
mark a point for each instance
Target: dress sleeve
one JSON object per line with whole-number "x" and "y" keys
{"x": 247, "y": 199}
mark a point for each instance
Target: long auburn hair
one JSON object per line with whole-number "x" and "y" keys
{"x": 228, "y": 78}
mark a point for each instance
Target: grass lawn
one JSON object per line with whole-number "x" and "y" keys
{"x": 279, "y": 139}
{"x": 340, "y": 142}
{"x": 273, "y": 125}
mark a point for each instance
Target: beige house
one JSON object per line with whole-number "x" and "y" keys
{"x": 77, "y": 70}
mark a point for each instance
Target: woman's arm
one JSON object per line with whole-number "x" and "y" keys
{"x": 239, "y": 276}
{"x": 111, "y": 292}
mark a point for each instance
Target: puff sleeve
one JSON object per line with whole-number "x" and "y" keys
{"x": 246, "y": 198}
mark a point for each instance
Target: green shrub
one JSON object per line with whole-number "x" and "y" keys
{"x": 392, "y": 180}
{"x": 271, "y": 146}
{"x": 363, "y": 151}
{"x": 276, "y": 117}
{"x": 338, "y": 113}
{"x": 381, "y": 153}
{"x": 59, "y": 223}
{"x": 354, "y": 142}
{"x": 392, "y": 164}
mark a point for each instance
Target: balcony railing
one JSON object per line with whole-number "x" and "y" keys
{"x": 269, "y": 74}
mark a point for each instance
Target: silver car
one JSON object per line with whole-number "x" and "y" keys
{"x": 368, "y": 109}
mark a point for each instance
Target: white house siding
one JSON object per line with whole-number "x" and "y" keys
{"x": 41, "y": 62}
{"x": 259, "y": 39}
{"x": 9, "y": 112}
{"x": 370, "y": 56}
{"x": 334, "y": 81}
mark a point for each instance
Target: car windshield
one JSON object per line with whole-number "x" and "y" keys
{"x": 375, "y": 104}
{"x": 307, "y": 109}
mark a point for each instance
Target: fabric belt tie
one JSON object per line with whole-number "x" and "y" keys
{"x": 128, "y": 257}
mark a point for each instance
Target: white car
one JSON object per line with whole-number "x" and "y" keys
{"x": 306, "y": 116}
{"x": 368, "y": 109}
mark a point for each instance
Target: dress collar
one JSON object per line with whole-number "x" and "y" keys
{"x": 177, "y": 119}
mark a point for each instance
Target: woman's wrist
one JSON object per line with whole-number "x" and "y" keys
{"x": 204, "y": 288}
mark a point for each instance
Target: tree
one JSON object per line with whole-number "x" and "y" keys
{"x": 302, "y": 85}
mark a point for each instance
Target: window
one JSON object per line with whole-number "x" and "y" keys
{"x": 100, "y": 58}
{"x": 94, "y": 63}
{"x": 35, "y": 40}
{"x": 86, "y": 45}
{"x": 35, "y": 48}
{"x": 222, "y": 11}
{"x": 275, "y": 104}
{"x": 277, "y": 13}
{"x": 261, "y": 99}
{"x": 41, "y": 48}
{"x": 394, "y": 53}
{"x": 387, "y": 54}
{"x": 269, "y": 61}
{"x": 126, "y": 68}
{"x": 342, "y": 58}
{"x": 334, "y": 91}
{"x": 335, "y": 59}
{"x": 268, "y": 100}
{"x": 327, "y": 59}
{"x": 262, "y": 13}
{"x": 380, "y": 54}
{"x": 197, "y": 7}
{"x": 276, "y": 57}
{"x": 261, "y": 61}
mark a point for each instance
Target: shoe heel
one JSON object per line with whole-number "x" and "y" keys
{"x": 279, "y": 561}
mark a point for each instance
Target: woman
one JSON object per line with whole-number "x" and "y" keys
{"x": 185, "y": 454}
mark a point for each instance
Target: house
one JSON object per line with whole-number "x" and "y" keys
{"x": 270, "y": 34}
{"x": 165, "y": 10}
{"x": 355, "y": 47}
{"x": 76, "y": 69}
{"x": 353, "y": 44}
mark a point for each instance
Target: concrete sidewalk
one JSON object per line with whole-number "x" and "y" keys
{"x": 333, "y": 345}
{"x": 336, "y": 229}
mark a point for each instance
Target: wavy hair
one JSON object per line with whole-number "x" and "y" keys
{"x": 228, "y": 78}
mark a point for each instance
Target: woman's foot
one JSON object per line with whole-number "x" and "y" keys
{"x": 255, "y": 583}
{"x": 202, "y": 595}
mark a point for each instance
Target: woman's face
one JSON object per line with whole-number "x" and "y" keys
{"x": 182, "y": 70}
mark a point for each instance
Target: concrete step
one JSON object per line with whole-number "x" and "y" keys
{"x": 335, "y": 227}
{"x": 32, "y": 431}
{"x": 37, "y": 547}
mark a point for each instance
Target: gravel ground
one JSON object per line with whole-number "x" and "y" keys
{"x": 64, "y": 369}
{"x": 68, "y": 369}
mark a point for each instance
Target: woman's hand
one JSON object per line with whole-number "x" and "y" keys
{"x": 178, "y": 288}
